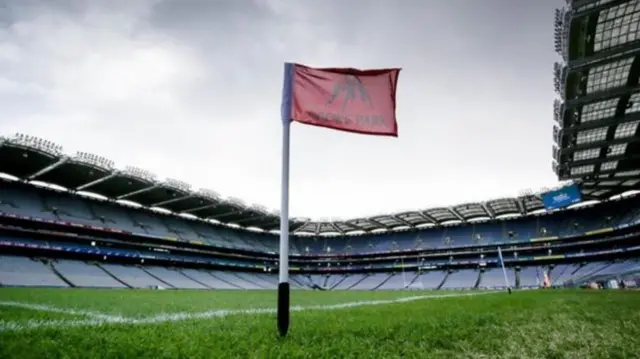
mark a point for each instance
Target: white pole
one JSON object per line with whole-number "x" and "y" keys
{"x": 283, "y": 273}
{"x": 504, "y": 271}
{"x": 404, "y": 279}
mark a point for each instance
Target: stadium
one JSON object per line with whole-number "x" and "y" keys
{"x": 100, "y": 262}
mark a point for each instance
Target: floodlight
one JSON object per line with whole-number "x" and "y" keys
{"x": 559, "y": 78}
{"x": 558, "y": 109}
{"x": 140, "y": 173}
{"x": 557, "y": 135}
{"x": 562, "y": 20}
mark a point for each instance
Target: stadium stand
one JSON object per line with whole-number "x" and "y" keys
{"x": 97, "y": 226}
{"x": 530, "y": 277}
{"x": 561, "y": 273}
{"x": 596, "y": 147}
{"x": 172, "y": 278}
{"x": 65, "y": 272}
{"x": 462, "y": 279}
{"x": 236, "y": 280}
{"x": 597, "y": 115}
{"x": 349, "y": 281}
{"x": 371, "y": 282}
{"x": 81, "y": 274}
{"x": 430, "y": 280}
{"x": 395, "y": 281}
{"x": 21, "y": 271}
{"x": 494, "y": 278}
{"x": 256, "y": 280}
{"x": 614, "y": 271}
{"x": 134, "y": 277}
{"x": 138, "y": 221}
{"x": 207, "y": 279}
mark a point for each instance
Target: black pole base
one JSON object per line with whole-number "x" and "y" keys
{"x": 283, "y": 309}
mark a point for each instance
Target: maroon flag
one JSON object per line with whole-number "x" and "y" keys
{"x": 361, "y": 101}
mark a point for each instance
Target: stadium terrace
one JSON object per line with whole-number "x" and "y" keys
{"x": 74, "y": 231}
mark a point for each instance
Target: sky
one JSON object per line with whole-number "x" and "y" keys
{"x": 191, "y": 89}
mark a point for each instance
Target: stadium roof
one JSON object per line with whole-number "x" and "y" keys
{"x": 33, "y": 159}
{"x": 597, "y": 136}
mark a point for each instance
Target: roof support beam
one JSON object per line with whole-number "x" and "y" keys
{"x": 429, "y": 217}
{"x": 455, "y": 213}
{"x": 172, "y": 200}
{"x": 211, "y": 205}
{"x": 377, "y": 223}
{"x": 334, "y": 226}
{"x": 402, "y": 220}
{"x": 303, "y": 227}
{"x": 225, "y": 214}
{"x": 488, "y": 210}
{"x": 425, "y": 217}
{"x": 48, "y": 168}
{"x": 131, "y": 194}
{"x": 521, "y": 207}
{"x": 351, "y": 225}
{"x": 255, "y": 217}
{"x": 98, "y": 181}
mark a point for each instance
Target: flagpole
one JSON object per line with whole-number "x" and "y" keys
{"x": 283, "y": 285}
{"x": 302, "y": 94}
{"x": 504, "y": 271}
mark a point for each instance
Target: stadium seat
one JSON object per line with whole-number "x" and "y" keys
{"x": 22, "y": 271}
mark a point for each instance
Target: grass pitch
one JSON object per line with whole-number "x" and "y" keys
{"x": 86, "y": 323}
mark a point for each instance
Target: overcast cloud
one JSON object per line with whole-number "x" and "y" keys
{"x": 191, "y": 90}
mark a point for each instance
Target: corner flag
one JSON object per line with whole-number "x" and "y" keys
{"x": 345, "y": 99}
{"x": 504, "y": 270}
{"x": 361, "y": 101}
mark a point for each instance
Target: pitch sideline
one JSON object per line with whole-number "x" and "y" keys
{"x": 100, "y": 319}
{"x": 51, "y": 309}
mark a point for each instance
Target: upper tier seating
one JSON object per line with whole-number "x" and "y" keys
{"x": 53, "y": 205}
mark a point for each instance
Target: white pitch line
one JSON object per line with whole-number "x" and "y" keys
{"x": 51, "y": 309}
{"x": 175, "y": 317}
{"x": 161, "y": 318}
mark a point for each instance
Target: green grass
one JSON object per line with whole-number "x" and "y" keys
{"x": 534, "y": 324}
